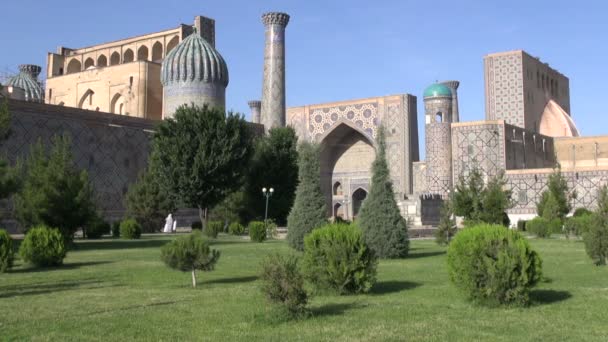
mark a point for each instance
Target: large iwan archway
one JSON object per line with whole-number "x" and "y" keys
{"x": 346, "y": 159}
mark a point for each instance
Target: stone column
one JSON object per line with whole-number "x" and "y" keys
{"x": 273, "y": 87}
{"x": 255, "y": 107}
{"x": 453, "y": 85}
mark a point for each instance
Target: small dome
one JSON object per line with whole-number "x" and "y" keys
{"x": 194, "y": 60}
{"x": 26, "y": 80}
{"x": 437, "y": 90}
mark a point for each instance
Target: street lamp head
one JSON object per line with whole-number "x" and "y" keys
{"x": 264, "y": 190}
{"x": 271, "y": 190}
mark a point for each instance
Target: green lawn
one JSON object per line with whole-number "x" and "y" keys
{"x": 112, "y": 290}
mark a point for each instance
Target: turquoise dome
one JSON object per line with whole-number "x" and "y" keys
{"x": 437, "y": 90}
{"x": 194, "y": 60}
{"x": 26, "y": 80}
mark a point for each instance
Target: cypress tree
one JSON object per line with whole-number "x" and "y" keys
{"x": 384, "y": 229}
{"x": 309, "y": 210}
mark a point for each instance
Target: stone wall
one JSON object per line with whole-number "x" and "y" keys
{"x": 112, "y": 148}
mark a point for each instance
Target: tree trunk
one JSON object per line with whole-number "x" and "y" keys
{"x": 202, "y": 214}
{"x": 193, "y": 277}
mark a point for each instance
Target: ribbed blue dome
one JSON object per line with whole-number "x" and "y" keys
{"x": 26, "y": 81}
{"x": 194, "y": 60}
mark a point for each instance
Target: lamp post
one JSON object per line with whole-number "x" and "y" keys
{"x": 267, "y": 193}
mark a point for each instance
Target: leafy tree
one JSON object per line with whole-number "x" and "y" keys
{"x": 466, "y": 199}
{"x": 309, "y": 209}
{"x": 447, "y": 225}
{"x": 202, "y": 155}
{"x": 230, "y": 210}
{"x": 190, "y": 253}
{"x": 384, "y": 229}
{"x": 557, "y": 188}
{"x": 147, "y": 202}
{"x": 274, "y": 164}
{"x": 54, "y": 192}
{"x": 495, "y": 201}
{"x": 9, "y": 176}
{"x": 283, "y": 283}
{"x": 596, "y": 236}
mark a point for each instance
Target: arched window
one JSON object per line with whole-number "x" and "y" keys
{"x": 358, "y": 197}
{"x": 102, "y": 61}
{"x": 172, "y": 43}
{"x": 142, "y": 53}
{"x": 89, "y": 62}
{"x": 338, "y": 212}
{"x": 86, "y": 101}
{"x": 157, "y": 52}
{"x": 439, "y": 117}
{"x": 115, "y": 58}
{"x": 74, "y": 66}
{"x": 127, "y": 56}
{"x": 116, "y": 105}
{"x": 338, "y": 189}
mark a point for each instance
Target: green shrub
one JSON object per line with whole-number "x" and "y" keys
{"x": 214, "y": 228}
{"x": 582, "y": 212}
{"x": 236, "y": 228}
{"x": 493, "y": 265}
{"x": 578, "y": 225}
{"x": 197, "y": 225}
{"x": 271, "y": 228}
{"x": 543, "y": 228}
{"x": 337, "y": 258}
{"x": 257, "y": 231}
{"x": 521, "y": 225}
{"x": 596, "y": 241}
{"x": 190, "y": 253}
{"x": 130, "y": 229}
{"x": 43, "y": 247}
{"x": 116, "y": 229}
{"x": 7, "y": 253}
{"x": 283, "y": 284}
{"x": 96, "y": 228}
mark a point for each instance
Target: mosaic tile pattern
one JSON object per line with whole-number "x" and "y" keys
{"x": 363, "y": 116}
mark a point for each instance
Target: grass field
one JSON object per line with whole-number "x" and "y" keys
{"x": 113, "y": 290}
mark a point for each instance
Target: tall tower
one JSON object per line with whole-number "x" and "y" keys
{"x": 255, "y": 107}
{"x": 273, "y": 87}
{"x": 453, "y": 85}
{"x": 438, "y": 138}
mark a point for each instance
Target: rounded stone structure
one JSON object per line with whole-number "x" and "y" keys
{"x": 193, "y": 72}
{"x": 27, "y": 79}
{"x": 437, "y": 90}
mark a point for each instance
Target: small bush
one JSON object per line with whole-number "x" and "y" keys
{"x": 43, "y": 247}
{"x": 236, "y": 228}
{"x": 130, "y": 229}
{"x": 214, "y": 228}
{"x": 196, "y": 225}
{"x": 337, "y": 258}
{"x": 7, "y": 253}
{"x": 96, "y": 228}
{"x": 521, "y": 225}
{"x": 493, "y": 265}
{"x": 283, "y": 284}
{"x": 596, "y": 241}
{"x": 190, "y": 253}
{"x": 582, "y": 212}
{"x": 578, "y": 225}
{"x": 271, "y": 229}
{"x": 543, "y": 228}
{"x": 257, "y": 231}
{"x": 116, "y": 229}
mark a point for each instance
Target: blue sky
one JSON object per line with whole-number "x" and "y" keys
{"x": 338, "y": 50}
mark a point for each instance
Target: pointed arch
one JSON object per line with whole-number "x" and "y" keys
{"x": 142, "y": 53}
{"x": 117, "y": 104}
{"x": 358, "y": 197}
{"x": 127, "y": 56}
{"x": 115, "y": 58}
{"x": 171, "y": 44}
{"x": 337, "y": 189}
{"x": 86, "y": 101}
{"x": 89, "y": 62}
{"x": 338, "y": 211}
{"x": 74, "y": 66}
{"x": 102, "y": 61}
{"x": 157, "y": 52}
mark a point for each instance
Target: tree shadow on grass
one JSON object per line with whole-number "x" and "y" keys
{"x": 117, "y": 244}
{"x": 541, "y": 297}
{"x": 235, "y": 280}
{"x": 392, "y": 286}
{"x": 67, "y": 266}
{"x": 135, "y": 307}
{"x": 46, "y": 288}
{"x": 333, "y": 309}
{"x": 424, "y": 254}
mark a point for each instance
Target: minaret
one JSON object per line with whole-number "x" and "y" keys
{"x": 273, "y": 87}
{"x": 255, "y": 107}
{"x": 453, "y": 85}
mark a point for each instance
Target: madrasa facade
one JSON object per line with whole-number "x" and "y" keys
{"x": 108, "y": 97}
